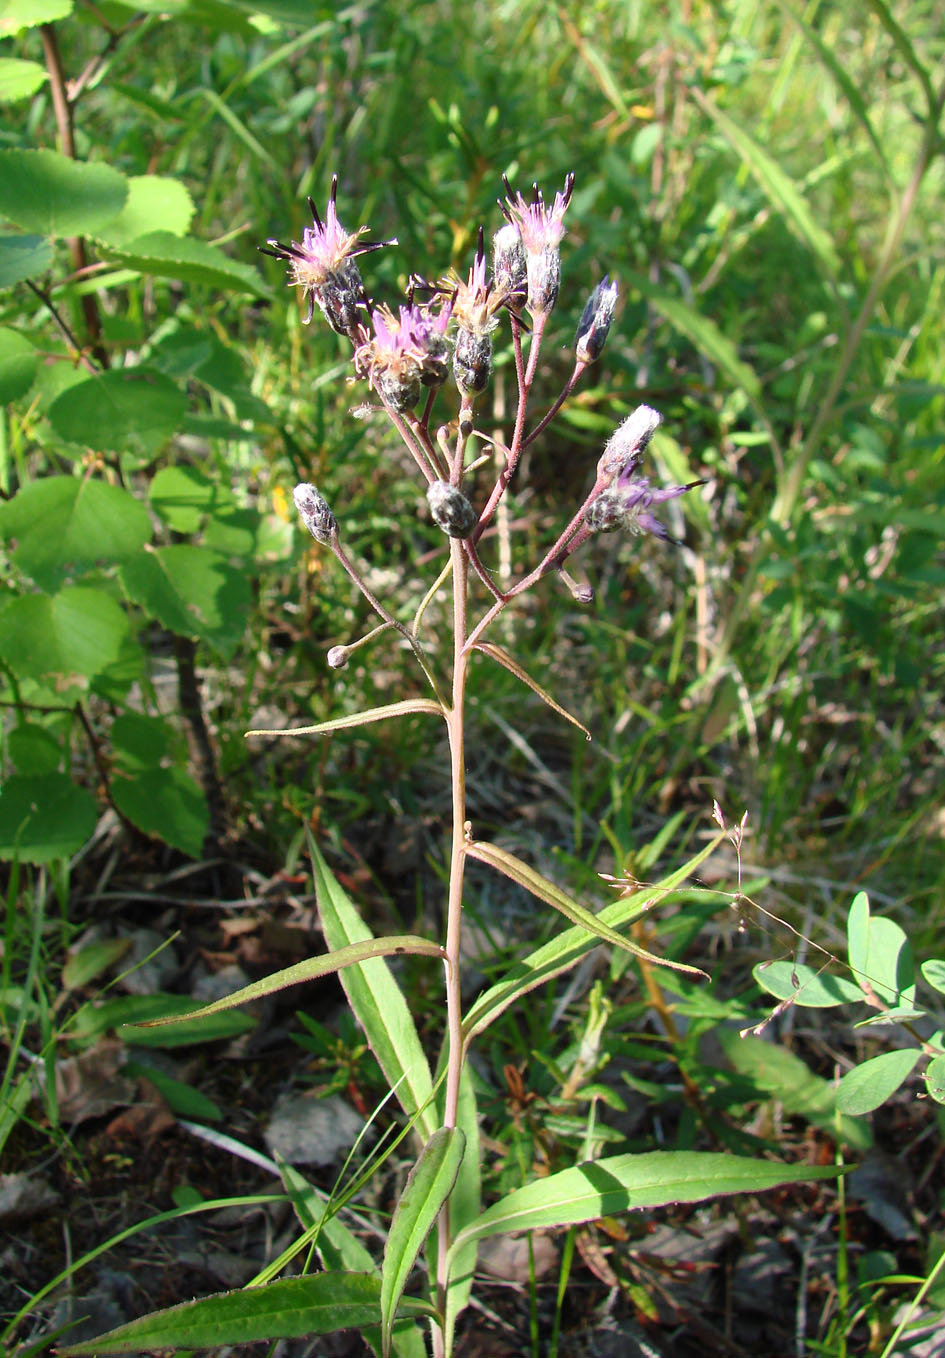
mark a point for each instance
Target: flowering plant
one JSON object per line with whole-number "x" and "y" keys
{"x": 407, "y": 356}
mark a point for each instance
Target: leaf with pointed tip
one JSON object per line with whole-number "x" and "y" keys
{"x": 324, "y": 728}
{"x": 623, "y": 1183}
{"x": 560, "y": 953}
{"x": 540, "y": 886}
{"x": 428, "y": 1186}
{"x": 311, "y": 968}
{"x": 512, "y": 665}
{"x": 291, "y": 1308}
{"x": 377, "y": 1001}
{"x": 867, "y": 1086}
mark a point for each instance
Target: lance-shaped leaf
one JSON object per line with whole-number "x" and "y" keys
{"x": 377, "y": 1001}
{"x": 428, "y": 1186}
{"x": 563, "y": 952}
{"x": 465, "y": 1204}
{"x": 539, "y": 886}
{"x": 512, "y": 665}
{"x": 312, "y": 967}
{"x": 324, "y": 728}
{"x": 288, "y": 1309}
{"x": 620, "y": 1183}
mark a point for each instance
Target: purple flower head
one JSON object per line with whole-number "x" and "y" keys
{"x": 323, "y": 266}
{"x": 638, "y": 498}
{"x": 541, "y": 229}
{"x": 404, "y": 351}
{"x": 477, "y": 299}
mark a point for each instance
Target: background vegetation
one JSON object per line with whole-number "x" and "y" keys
{"x": 765, "y": 182}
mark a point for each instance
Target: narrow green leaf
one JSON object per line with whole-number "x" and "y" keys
{"x": 465, "y": 1206}
{"x": 779, "y": 188}
{"x": 622, "y": 1183}
{"x": 868, "y": 1085}
{"x": 348, "y": 956}
{"x": 428, "y": 1186}
{"x": 291, "y": 1308}
{"x": 50, "y": 194}
{"x": 539, "y": 886}
{"x": 905, "y": 48}
{"x": 126, "y": 1011}
{"x": 377, "y": 1001}
{"x": 563, "y": 952}
{"x": 512, "y": 665}
{"x": 324, "y": 728}
{"x": 706, "y": 336}
{"x": 805, "y": 986}
{"x": 182, "y": 1099}
{"x": 91, "y": 960}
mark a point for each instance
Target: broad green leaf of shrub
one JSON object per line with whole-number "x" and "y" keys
{"x": 881, "y": 955}
{"x": 154, "y": 203}
{"x": 23, "y": 257}
{"x": 183, "y": 496}
{"x": 624, "y": 1183}
{"x": 192, "y": 591}
{"x": 118, "y": 407}
{"x": 76, "y": 633}
{"x": 19, "y": 79}
{"x": 164, "y": 255}
{"x": 15, "y": 15}
{"x": 870, "y": 1084}
{"x": 166, "y": 803}
{"x": 933, "y": 972}
{"x": 290, "y": 1308}
{"x": 141, "y": 742}
{"x": 813, "y": 989}
{"x": 64, "y": 526}
{"x": 935, "y": 1079}
{"x": 44, "y": 816}
{"x": 781, "y": 1075}
{"x": 50, "y": 194}
{"x": 33, "y": 749}
{"x": 18, "y": 364}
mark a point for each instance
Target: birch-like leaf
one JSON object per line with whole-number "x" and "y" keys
{"x": 324, "y": 728}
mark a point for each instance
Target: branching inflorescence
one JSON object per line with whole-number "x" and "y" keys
{"x": 406, "y": 355}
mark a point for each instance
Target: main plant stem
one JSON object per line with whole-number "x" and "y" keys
{"x": 457, "y": 740}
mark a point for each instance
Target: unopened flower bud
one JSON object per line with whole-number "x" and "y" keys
{"x": 544, "y": 280}
{"x": 400, "y": 392}
{"x": 337, "y": 657}
{"x": 451, "y": 510}
{"x": 316, "y": 513}
{"x": 509, "y": 266}
{"x": 624, "y": 450}
{"x": 594, "y": 324}
{"x": 472, "y": 361}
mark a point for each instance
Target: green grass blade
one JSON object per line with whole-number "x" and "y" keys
{"x": 905, "y": 48}
{"x": 849, "y": 87}
{"x": 308, "y": 970}
{"x": 622, "y": 1183}
{"x": 324, "y": 728}
{"x": 779, "y": 188}
{"x": 707, "y": 338}
{"x": 428, "y": 1186}
{"x": 465, "y": 1205}
{"x": 288, "y": 1309}
{"x": 562, "y": 952}
{"x": 377, "y": 1001}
